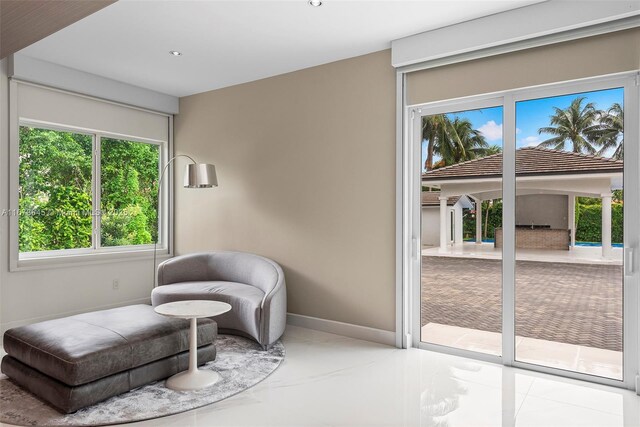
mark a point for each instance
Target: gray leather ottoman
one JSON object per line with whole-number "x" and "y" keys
{"x": 81, "y": 360}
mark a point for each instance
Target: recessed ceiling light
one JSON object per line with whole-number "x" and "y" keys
{"x": 175, "y": 53}
{"x": 315, "y": 3}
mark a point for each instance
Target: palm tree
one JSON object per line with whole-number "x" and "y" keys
{"x": 434, "y": 131}
{"x": 453, "y": 140}
{"x": 576, "y": 125}
{"x": 465, "y": 143}
{"x": 493, "y": 149}
{"x": 611, "y": 131}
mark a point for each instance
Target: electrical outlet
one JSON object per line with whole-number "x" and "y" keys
{"x": 116, "y": 284}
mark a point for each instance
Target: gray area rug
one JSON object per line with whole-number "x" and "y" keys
{"x": 240, "y": 362}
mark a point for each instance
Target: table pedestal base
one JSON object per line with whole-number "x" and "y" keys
{"x": 192, "y": 380}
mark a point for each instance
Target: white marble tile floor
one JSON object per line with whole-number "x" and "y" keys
{"x": 330, "y": 380}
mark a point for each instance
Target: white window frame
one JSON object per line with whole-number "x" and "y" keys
{"x": 96, "y": 253}
{"x": 409, "y": 157}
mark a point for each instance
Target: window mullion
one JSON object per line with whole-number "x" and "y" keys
{"x": 96, "y": 213}
{"x": 508, "y": 227}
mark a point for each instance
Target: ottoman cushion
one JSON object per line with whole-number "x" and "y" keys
{"x": 71, "y": 398}
{"x": 84, "y": 348}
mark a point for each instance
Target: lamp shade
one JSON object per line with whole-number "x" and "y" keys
{"x": 200, "y": 175}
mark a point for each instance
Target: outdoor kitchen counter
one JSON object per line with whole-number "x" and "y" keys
{"x": 537, "y": 238}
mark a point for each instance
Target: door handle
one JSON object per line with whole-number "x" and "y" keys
{"x": 629, "y": 261}
{"x": 414, "y": 248}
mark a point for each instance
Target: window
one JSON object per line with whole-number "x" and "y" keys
{"x": 55, "y": 190}
{"x": 83, "y": 179}
{"x": 129, "y": 192}
{"x": 60, "y": 210}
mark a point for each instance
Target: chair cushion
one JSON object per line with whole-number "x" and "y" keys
{"x": 245, "y": 300}
{"x": 79, "y": 349}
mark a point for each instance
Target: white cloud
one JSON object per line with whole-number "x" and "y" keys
{"x": 518, "y": 130}
{"x": 491, "y": 130}
{"x": 530, "y": 141}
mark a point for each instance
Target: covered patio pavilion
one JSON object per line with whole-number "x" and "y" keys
{"x": 547, "y": 184}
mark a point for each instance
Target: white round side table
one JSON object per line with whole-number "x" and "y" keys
{"x": 193, "y": 378}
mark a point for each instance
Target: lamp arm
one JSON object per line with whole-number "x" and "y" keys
{"x": 155, "y": 242}
{"x": 164, "y": 170}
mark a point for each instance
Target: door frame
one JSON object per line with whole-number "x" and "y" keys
{"x": 410, "y": 160}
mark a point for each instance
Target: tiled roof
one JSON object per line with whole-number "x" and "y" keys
{"x": 530, "y": 161}
{"x": 430, "y": 198}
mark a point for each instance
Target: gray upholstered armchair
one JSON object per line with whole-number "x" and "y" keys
{"x": 253, "y": 285}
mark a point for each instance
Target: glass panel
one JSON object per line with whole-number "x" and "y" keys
{"x": 461, "y": 287}
{"x": 54, "y": 190}
{"x": 128, "y": 201}
{"x": 569, "y": 224}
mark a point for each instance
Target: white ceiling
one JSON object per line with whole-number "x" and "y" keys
{"x": 229, "y": 42}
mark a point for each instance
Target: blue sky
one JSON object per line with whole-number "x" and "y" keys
{"x": 530, "y": 116}
{"x": 534, "y": 114}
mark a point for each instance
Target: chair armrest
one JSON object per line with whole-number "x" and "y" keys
{"x": 274, "y": 310}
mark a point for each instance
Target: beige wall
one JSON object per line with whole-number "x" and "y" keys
{"x": 307, "y": 177}
{"x": 592, "y": 56}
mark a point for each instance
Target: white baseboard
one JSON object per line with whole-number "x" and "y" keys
{"x": 345, "y": 329}
{"x": 17, "y": 323}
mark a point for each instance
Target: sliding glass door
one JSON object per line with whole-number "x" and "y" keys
{"x": 461, "y": 214}
{"x": 525, "y": 257}
{"x": 569, "y": 232}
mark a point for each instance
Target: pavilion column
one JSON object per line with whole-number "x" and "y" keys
{"x": 458, "y": 235}
{"x": 443, "y": 223}
{"x": 478, "y": 221}
{"x": 571, "y": 220}
{"x": 606, "y": 225}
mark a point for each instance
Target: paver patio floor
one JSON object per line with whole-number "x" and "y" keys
{"x": 577, "y": 304}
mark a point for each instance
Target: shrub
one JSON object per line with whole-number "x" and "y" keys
{"x": 589, "y": 222}
{"x": 494, "y": 221}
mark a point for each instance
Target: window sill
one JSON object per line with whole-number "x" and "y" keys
{"x": 84, "y": 259}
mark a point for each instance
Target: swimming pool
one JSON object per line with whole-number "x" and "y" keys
{"x": 598, "y": 244}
